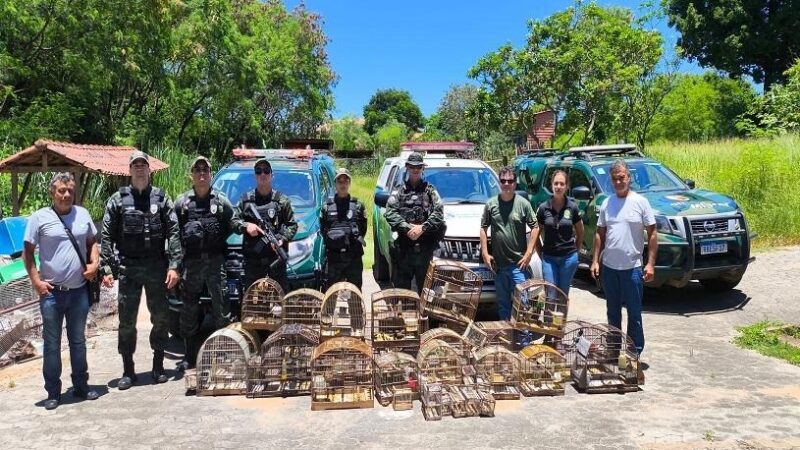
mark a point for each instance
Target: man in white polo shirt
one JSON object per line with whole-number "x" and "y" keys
{"x": 621, "y": 224}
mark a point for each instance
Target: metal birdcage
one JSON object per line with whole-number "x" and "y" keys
{"x": 498, "y": 332}
{"x": 262, "y": 305}
{"x": 450, "y": 293}
{"x": 302, "y": 306}
{"x": 455, "y": 340}
{"x": 396, "y": 379}
{"x": 573, "y": 330}
{"x": 543, "y": 371}
{"x": 284, "y": 366}
{"x": 342, "y": 312}
{"x": 540, "y": 307}
{"x": 603, "y": 359}
{"x": 500, "y": 368}
{"x": 395, "y": 320}
{"x": 222, "y": 363}
{"x": 341, "y": 370}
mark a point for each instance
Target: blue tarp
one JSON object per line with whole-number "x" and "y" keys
{"x": 12, "y": 234}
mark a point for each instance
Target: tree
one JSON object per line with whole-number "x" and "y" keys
{"x": 389, "y": 137}
{"x": 581, "y": 63}
{"x": 348, "y": 134}
{"x": 455, "y": 113}
{"x": 741, "y": 37}
{"x": 778, "y": 110}
{"x": 388, "y": 104}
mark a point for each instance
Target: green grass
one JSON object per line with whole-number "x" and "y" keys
{"x": 762, "y": 338}
{"x": 363, "y": 188}
{"x": 760, "y": 174}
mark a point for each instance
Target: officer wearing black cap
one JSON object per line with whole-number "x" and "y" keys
{"x": 261, "y": 259}
{"x": 415, "y": 212}
{"x": 205, "y": 216}
{"x": 344, "y": 225}
{"x": 140, "y": 222}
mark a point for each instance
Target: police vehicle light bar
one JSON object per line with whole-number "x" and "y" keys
{"x": 250, "y": 153}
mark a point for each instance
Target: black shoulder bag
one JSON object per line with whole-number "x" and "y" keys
{"x": 93, "y": 286}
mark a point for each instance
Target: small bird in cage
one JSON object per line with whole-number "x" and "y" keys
{"x": 276, "y": 311}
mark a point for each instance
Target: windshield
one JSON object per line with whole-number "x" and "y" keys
{"x": 460, "y": 185}
{"x": 646, "y": 176}
{"x": 295, "y": 184}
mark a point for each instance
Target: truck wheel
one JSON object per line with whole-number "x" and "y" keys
{"x": 380, "y": 268}
{"x": 721, "y": 284}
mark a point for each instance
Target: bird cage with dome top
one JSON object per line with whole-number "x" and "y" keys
{"x": 342, "y": 312}
{"x": 395, "y": 321}
{"x": 284, "y": 365}
{"x": 450, "y": 293}
{"x": 396, "y": 379}
{"x": 543, "y": 371}
{"x": 303, "y": 307}
{"x": 455, "y": 340}
{"x": 262, "y": 305}
{"x": 341, "y": 370}
{"x": 603, "y": 359}
{"x": 540, "y": 307}
{"x": 498, "y": 367}
{"x": 222, "y": 362}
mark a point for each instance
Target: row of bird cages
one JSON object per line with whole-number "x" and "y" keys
{"x": 543, "y": 371}
{"x": 601, "y": 358}
{"x": 342, "y": 313}
{"x": 540, "y": 307}
{"x": 223, "y": 362}
{"x": 500, "y": 369}
{"x": 395, "y": 320}
{"x": 451, "y": 293}
{"x": 396, "y": 380}
{"x": 284, "y": 366}
{"x": 457, "y": 400}
{"x": 342, "y": 378}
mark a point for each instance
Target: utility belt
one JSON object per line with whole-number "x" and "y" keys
{"x": 203, "y": 255}
{"x": 142, "y": 259}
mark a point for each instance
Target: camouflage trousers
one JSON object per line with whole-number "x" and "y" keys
{"x": 410, "y": 264}
{"x": 197, "y": 273}
{"x": 343, "y": 269}
{"x": 255, "y": 269}
{"x": 134, "y": 275}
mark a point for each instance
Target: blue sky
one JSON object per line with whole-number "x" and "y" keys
{"x": 423, "y": 47}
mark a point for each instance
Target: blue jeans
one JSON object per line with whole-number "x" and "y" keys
{"x": 55, "y": 307}
{"x": 625, "y": 286}
{"x": 506, "y": 279}
{"x": 560, "y": 270}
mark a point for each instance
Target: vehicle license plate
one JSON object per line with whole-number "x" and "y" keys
{"x": 486, "y": 275}
{"x": 711, "y": 248}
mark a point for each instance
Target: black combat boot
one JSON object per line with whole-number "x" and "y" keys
{"x": 190, "y": 354}
{"x": 128, "y": 373}
{"x": 158, "y": 367}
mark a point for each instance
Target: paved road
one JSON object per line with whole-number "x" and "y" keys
{"x": 701, "y": 391}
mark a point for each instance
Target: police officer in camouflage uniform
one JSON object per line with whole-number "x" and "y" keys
{"x": 205, "y": 216}
{"x": 140, "y": 222}
{"x": 415, "y": 212}
{"x": 260, "y": 258}
{"x": 344, "y": 225}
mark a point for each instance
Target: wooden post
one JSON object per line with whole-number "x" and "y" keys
{"x": 14, "y": 194}
{"x": 25, "y": 187}
{"x": 78, "y": 184}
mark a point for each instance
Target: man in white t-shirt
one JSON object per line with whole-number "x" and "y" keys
{"x": 621, "y": 223}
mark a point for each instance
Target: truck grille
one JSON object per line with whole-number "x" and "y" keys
{"x": 708, "y": 226}
{"x": 461, "y": 250}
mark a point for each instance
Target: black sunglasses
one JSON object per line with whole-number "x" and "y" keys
{"x": 507, "y": 181}
{"x": 264, "y": 171}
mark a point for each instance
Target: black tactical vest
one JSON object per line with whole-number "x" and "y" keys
{"x": 254, "y": 247}
{"x": 143, "y": 233}
{"x": 202, "y": 230}
{"x": 414, "y": 205}
{"x": 342, "y": 233}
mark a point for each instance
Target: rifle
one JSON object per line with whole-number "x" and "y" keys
{"x": 269, "y": 237}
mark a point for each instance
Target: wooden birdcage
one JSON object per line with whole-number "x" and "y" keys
{"x": 396, "y": 379}
{"x": 573, "y": 330}
{"x": 342, "y": 312}
{"x": 302, "y": 306}
{"x": 284, "y": 366}
{"x": 262, "y": 305}
{"x": 222, "y": 362}
{"x": 543, "y": 372}
{"x": 450, "y": 293}
{"x": 605, "y": 360}
{"x": 439, "y": 362}
{"x": 455, "y": 340}
{"x": 498, "y": 332}
{"x": 500, "y": 368}
{"x": 540, "y": 307}
{"x": 395, "y": 320}
{"x": 341, "y": 370}
{"x": 457, "y": 400}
